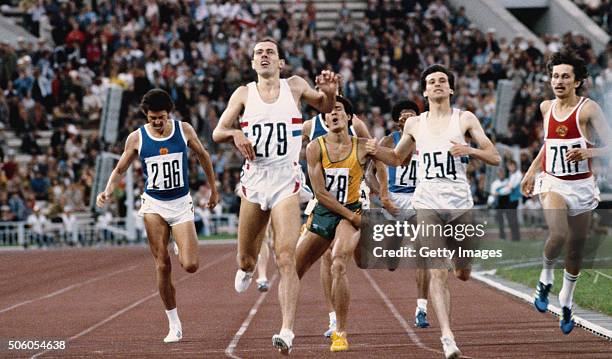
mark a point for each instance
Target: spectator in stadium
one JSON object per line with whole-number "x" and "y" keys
{"x": 37, "y": 222}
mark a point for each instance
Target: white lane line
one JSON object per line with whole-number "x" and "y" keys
{"x": 229, "y": 351}
{"x": 133, "y": 305}
{"x": 66, "y": 289}
{"x": 413, "y": 336}
{"x": 589, "y": 326}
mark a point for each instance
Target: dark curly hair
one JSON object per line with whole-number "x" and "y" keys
{"x": 568, "y": 56}
{"x": 401, "y": 106}
{"x": 156, "y": 100}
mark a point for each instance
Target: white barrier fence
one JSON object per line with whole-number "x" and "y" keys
{"x": 83, "y": 230}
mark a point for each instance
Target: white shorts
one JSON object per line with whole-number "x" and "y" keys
{"x": 306, "y": 193}
{"x": 364, "y": 195}
{"x": 403, "y": 201}
{"x": 174, "y": 211}
{"x": 580, "y": 195}
{"x": 443, "y": 196}
{"x": 268, "y": 186}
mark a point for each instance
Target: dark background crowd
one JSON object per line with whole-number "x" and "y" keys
{"x": 52, "y": 92}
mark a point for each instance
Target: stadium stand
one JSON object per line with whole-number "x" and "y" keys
{"x": 53, "y": 90}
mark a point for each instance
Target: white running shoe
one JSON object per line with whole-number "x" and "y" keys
{"x": 175, "y": 248}
{"x": 174, "y": 335}
{"x": 450, "y": 348}
{"x": 283, "y": 341}
{"x": 242, "y": 280}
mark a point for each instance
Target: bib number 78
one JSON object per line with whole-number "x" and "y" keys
{"x": 336, "y": 183}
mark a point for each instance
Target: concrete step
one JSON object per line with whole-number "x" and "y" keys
{"x": 319, "y": 5}
{"x": 333, "y": 15}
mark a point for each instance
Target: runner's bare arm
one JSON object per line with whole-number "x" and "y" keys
{"x": 596, "y": 118}
{"x": 394, "y": 156}
{"x": 306, "y": 128}
{"x": 361, "y": 130}
{"x": 486, "y": 151}
{"x": 323, "y": 99}
{"x": 204, "y": 158}
{"x": 536, "y": 164}
{"x": 130, "y": 153}
{"x": 375, "y": 179}
{"x": 225, "y": 130}
{"x": 317, "y": 180}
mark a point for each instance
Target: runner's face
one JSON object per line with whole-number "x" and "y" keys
{"x": 563, "y": 80}
{"x": 337, "y": 120}
{"x": 404, "y": 115}
{"x": 157, "y": 119}
{"x": 437, "y": 86}
{"x": 265, "y": 59}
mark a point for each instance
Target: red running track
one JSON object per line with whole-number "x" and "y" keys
{"x": 104, "y": 303}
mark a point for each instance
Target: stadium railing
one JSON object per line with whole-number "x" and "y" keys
{"x": 82, "y": 230}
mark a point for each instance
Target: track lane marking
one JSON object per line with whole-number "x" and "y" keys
{"x": 133, "y": 305}
{"x": 229, "y": 351}
{"x": 411, "y": 334}
{"x": 66, "y": 289}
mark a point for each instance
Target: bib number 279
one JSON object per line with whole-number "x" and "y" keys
{"x": 264, "y": 139}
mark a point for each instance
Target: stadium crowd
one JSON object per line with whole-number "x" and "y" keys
{"x": 200, "y": 52}
{"x": 599, "y": 10}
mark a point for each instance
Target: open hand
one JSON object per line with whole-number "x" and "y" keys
{"x": 244, "y": 146}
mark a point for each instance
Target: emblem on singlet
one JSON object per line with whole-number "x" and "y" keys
{"x": 562, "y": 130}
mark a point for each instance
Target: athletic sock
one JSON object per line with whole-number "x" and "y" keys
{"x": 548, "y": 272}
{"x": 567, "y": 291}
{"x": 421, "y": 305}
{"x": 173, "y": 318}
{"x": 287, "y": 333}
{"x": 332, "y": 318}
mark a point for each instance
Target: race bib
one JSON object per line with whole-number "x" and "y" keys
{"x": 556, "y": 150}
{"x": 337, "y": 182}
{"x": 406, "y": 176}
{"x": 165, "y": 172}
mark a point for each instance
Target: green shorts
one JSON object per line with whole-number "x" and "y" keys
{"x": 323, "y": 222}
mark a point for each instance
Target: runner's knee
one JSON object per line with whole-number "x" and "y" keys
{"x": 438, "y": 275}
{"x": 246, "y": 262}
{"x": 338, "y": 267}
{"x": 462, "y": 274}
{"x": 191, "y": 265}
{"x": 285, "y": 259}
{"x": 558, "y": 235}
{"x": 163, "y": 265}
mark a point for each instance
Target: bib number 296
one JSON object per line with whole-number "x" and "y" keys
{"x": 166, "y": 175}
